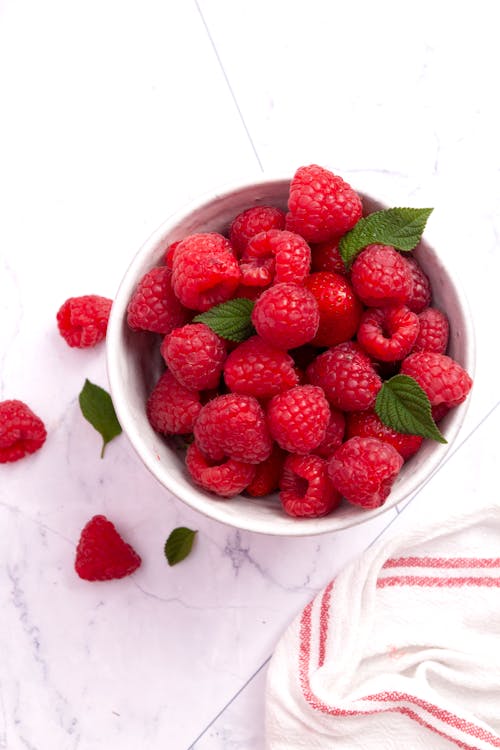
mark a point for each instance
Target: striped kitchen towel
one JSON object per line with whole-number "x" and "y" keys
{"x": 401, "y": 651}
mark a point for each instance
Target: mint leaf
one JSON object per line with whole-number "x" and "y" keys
{"x": 400, "y": 227}
{"x": 179, "y": 544}
{"x": 403, "y": 405}
{"x": 232, "y": 320}
{"x": 98, "y": 409}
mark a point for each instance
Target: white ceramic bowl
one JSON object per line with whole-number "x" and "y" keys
{"x": 134, "y": 365}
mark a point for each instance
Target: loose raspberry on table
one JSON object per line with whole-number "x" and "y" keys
{"x": 306, "y": 490}
{"x": 298, "y": 418}
{"x": 368, "y": 424}
{"x": 380, "y": 276}
{"x": 21, "y": 431}
{"x": 388, "y": 333}
{"x": 443, "y": 379}
{"x": 102, "y": 554}
{"x": 83, "y": 321}
{"x": 325, "y": 256}
{"x": 334, "y": 435}
{"x": 276, "y": 257}
{"x": 321, "y": 205}
{"x": 347, "y": 376}
{"x": 339, "y": 308}
{"x": 225, "y": 478}
{"x": 253, "y": 221}
{"x": 195, "y": 355}
{"x": 233, "y": 426}
{"x": 205, "y": 271}
{"x": 258, "y": 369}
{"x": 267, "y": 474}
{"x": 421, "y": 292}
{"x": 433, "y": 331}
{"x": 172, "y": 409}
{"x": 154, "y": 306}
{"x": 286, "y": 315}
{"x": 363, "y": 470}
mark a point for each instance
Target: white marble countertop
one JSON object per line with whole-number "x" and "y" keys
{"x": 114, "y": 114}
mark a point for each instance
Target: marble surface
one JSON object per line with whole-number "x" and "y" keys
{"x": 114, "y": 114}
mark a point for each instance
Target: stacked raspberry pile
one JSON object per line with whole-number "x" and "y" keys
{"x": 287, "y": 401}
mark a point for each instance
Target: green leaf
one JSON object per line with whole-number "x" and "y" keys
{"x": 403, "y": 405}
{"x": 400, "y": 227}
{"x": 179, "y": 544}
{"x": 98, "y": 409}
{"x": 232, "y": 320}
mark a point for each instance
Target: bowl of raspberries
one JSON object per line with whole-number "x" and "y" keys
{"x": 289, "y": 356}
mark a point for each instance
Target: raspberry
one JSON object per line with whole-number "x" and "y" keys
{"x": 443, "y": 379}
{"x": 275, "y": 256}
{"x": 298, "y": 418}
{"x": 226, "y": 479}
{"x": 233, "y": 426}
{"x": 321, "y": 205}
{"x": 325, "y": 256}
{"x": 380, "y": 276}
{"x": 433, "y": 332}
{"x": 253, "y": 221}
{"x": 169, "y": 255}
{"x": 154, "y": 306}
{"x": 83, "y": 321}
{"x": 439, "y": 412}
{"x": 172, "y": 409}
{"x": 102, "y": 554}
{"x": 205, "y": 271}
{"x": 195, "y": 356}
{"x": 286, "y": 315}
{"x": 421, "y": 292}
{"x": 334, "y": 435}
{"x": 388, "y": 333}
{"x": 363, "y": 470}
{"x": 347, "y": 377}
{"x": 306, "y": 490}
{"x": 259, "y": 369}
{"x": 368, "y": 424}
{"x": 339, "y": 308}
{"x": 21, "y": 431}
{"x": 267, "y": 474}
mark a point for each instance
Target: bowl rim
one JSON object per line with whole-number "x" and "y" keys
{"x": 198, "y": 499}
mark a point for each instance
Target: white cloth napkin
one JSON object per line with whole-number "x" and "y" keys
{"x": 402, "y": 650}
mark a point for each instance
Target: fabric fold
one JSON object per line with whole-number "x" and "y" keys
{"x": 402, "y": 647}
